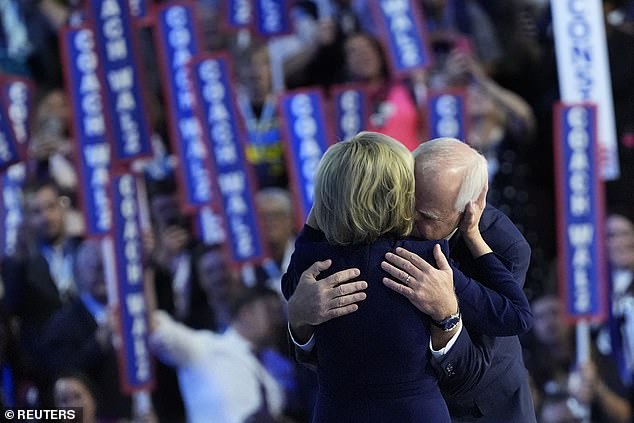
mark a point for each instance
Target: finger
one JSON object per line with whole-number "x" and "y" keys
{"x": 414, "y": 259}
{"x": 341, "y": 311}
{"x": 346, "y": 300}
{"x": 394, "y": 271}
{"x": 441, "y": 260}
{"x": 340, "y": 277}
{"x": 406, "y": 291}
{"x": 317, "y": 267}
{"x": 350, "y": 288}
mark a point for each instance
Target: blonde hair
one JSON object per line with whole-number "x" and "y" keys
{"x": 364, "y": 188}
{"x": 444, "y": 154}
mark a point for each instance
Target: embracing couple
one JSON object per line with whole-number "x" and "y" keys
{"x": 419, "y": 301}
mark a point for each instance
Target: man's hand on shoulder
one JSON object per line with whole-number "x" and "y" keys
{"x": 315, "y": 302}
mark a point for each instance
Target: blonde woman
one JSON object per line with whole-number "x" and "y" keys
{"x": 374, "y": 364}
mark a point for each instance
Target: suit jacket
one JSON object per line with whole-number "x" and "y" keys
{"x": 32, "y": 296}
{"x": 483, "y": 377}
{"x": 370, "y": 364}
{"x": 70, "y": 343}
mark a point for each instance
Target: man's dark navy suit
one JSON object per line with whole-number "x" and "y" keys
{"x": 483, "y": 378}
{"x": 466, "y": 374}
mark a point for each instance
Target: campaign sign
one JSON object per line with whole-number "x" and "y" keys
{"x": 210, "y": 226}
{"x": 351, "y": 110}
{"x": 177, "y": 44}
{"x": 139, "y": 8}
{"x": 272, "y": 17}
{"x": 580, "y": 213}
{"x": 305, "y": 142}
{"x": 401, "y": 25}
{"x": 239, "y": 13}
{"x": 447, "y": 115}
{"x": 218, "y": 111}
{"x": 90, "y": 131}
{"x": 135, "y": 357}
{"x": 11, "y": 213}
{"x": 9, "y": 147}
{"x": 115, "y": 35}
{"x": 17, "y": 98}
{"x": 584, "y": 69}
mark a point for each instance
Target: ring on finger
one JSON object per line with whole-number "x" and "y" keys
{"x": 407, "y": 279}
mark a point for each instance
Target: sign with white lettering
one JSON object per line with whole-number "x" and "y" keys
{"x": 351, "y": 110}
{"x": 218, "y": 111}
{"x": 239, "y": 13}
{"x": 272, "y": 17}
{"x": 447, "y": 114}
{"x": 10, "y": 148}
{"x": 306, "y": 140}
{"x": 210, "y": 226}
{"x": 139, "y": 8}
{"x": 17, "y": 98}
{"x": 136, "y": 368}
{"x": 583, "y": 68}
{"x": 400, "y": 24}
{"x": 177, "y": 44}
{"x": 580, "y": 213}
{"x": 90, "y": 131}
{"x": 11, "y": 213}
{"x": 115, "y": 35}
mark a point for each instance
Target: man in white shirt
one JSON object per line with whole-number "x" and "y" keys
{"x": 220, "y": 376}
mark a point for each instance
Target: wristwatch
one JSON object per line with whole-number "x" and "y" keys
{"x": 448, "y": 324}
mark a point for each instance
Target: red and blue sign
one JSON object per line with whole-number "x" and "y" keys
{"x": 447, "y": 115}
{"x": 17, "y": 98}
{"x": 306, "y": 141}
{"x": 11, "y": 213}
{"x": 115, "y": 35}
{"x": 580, "y": 214}
{"x": 401, "y": 24}
{"x": 177, "y": 44}
{"x": 136, "y": 360}
{"x": 218, "y": 110}
{"x": 272, "y": 17}
{"x": 240, "y": 13}
{"x": 352, "y": 110}
{"x": 90, "y": 131}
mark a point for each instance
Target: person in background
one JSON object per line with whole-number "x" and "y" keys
{"x": 74, "y": 389}
{"x": 80, "y": 337}
{"x": 591, "y": 387}
{"x": 221, "y": 376}
{"x": 39, "y": 280}
{"x": 275, "y": 208}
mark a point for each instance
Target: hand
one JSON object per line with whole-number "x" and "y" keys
{"x": 472, "y": 214}
{"x": 429, "y": 289}
{"x": 315, "y": 302}
{"x": 584, "y": 382}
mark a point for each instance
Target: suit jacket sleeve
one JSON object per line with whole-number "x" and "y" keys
{"x": 462, "y": 367}
{"x": 497, "y": 306}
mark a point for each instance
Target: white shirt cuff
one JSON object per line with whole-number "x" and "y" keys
{"x": 441, "y": 352}
{"x": 308, "y": 346}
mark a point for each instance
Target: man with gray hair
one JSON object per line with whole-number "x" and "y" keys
{"x": 482, "y": 377}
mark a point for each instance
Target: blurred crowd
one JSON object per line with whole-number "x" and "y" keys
{"x": 213, "y": 320}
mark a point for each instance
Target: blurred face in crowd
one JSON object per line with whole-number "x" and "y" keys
{"x": 46, "y": 210}
{"x": 363, "y": 60}
{"x": 548, "y": 326}
{"x": 71, "y": 392}
{"x": 90, "y": 272}
{"x": 218, "y": 280}
{"x": 264, "y": 316}
{"x": 436, "y": 194}
{"x": 277, "y": 220}
{"x": 620, "y": 241}
{"x": 486, "y": 120}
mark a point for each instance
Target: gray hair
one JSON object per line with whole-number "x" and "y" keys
{"x": 443, "y": 154}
